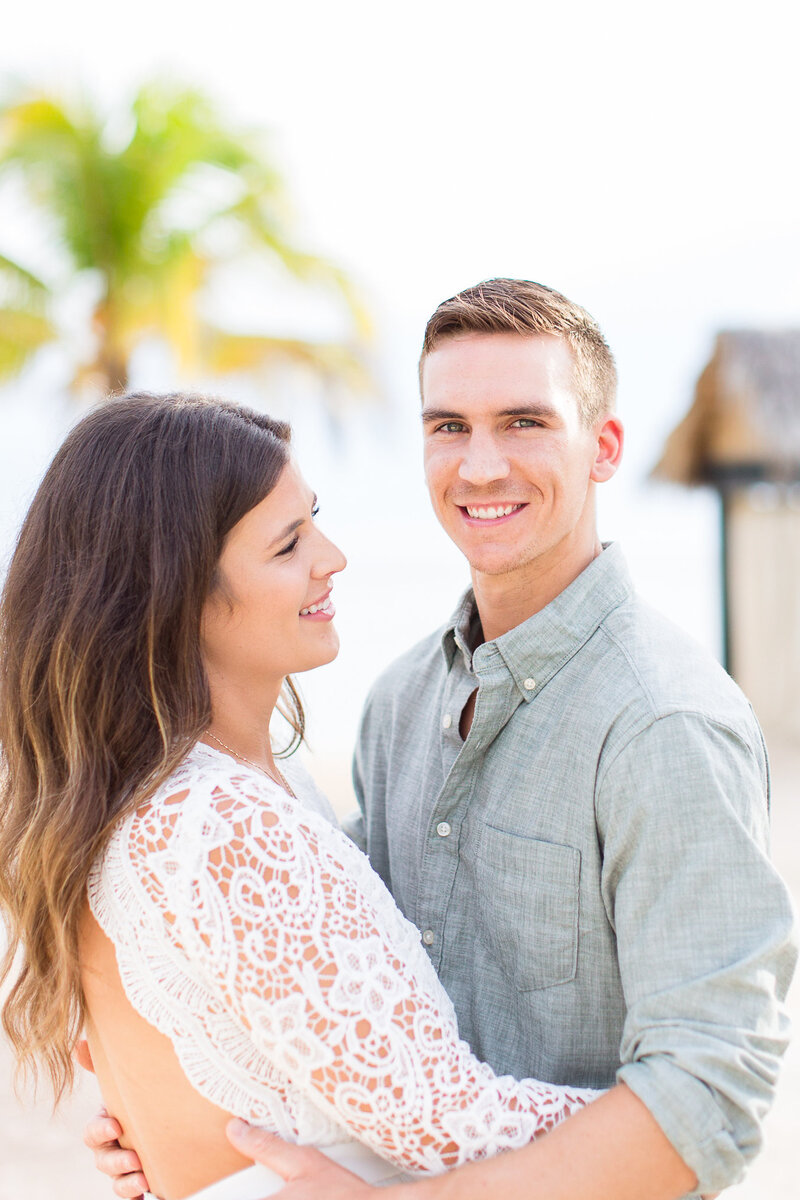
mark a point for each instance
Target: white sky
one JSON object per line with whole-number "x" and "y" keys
{"x": 431, "y": 143}
{"x": 642, "y": 158}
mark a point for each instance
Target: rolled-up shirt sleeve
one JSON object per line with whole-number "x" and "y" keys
{"x": 705, "y": 935}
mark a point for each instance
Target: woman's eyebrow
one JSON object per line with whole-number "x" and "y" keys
{"x": 290, "y": 528}
{"x": 285, "y": 533}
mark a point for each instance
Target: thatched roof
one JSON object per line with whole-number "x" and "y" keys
{"x": 746, "y": 412}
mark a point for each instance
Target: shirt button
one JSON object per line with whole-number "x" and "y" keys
{"x": 529, "y": 684}
{"x": 443, "y": 829}
{"x": 427, "y": 937}
{"x": 447, "y": 721}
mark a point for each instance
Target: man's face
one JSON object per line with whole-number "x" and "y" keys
{"x": 508, "y": 461}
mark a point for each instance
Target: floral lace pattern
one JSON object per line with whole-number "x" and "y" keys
{"x": 251, "y": 932}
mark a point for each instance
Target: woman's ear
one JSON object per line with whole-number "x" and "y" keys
{"x": 83, "y": 1056}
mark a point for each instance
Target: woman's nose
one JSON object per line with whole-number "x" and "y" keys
{"x": 330, "y": 560}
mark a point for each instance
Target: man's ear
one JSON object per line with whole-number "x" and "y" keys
{"x": 610, "y": 438}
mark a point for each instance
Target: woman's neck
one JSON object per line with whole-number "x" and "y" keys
{"x": 240, "y": 720}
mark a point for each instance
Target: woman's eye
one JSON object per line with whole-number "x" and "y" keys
{"x": 315, "y": 510}
{"x": 288, "y": 549}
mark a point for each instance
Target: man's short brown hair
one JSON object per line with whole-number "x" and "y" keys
{"x": 527, "y": 308}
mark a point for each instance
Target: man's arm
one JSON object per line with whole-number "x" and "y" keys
{"x": 704, "y": 935}
{"x": 611, "y": 1150}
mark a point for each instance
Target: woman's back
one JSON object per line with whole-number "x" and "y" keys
{"x": 144, "y": 1085}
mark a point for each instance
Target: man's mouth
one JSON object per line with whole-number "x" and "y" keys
{"x": 489, "y": 512}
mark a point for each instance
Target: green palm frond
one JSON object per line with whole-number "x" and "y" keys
{"x": 21, "y": 335}
{"x": 227, "y": 353}
{"x": 24, "y": 324}
{"x": 14, "y": 274}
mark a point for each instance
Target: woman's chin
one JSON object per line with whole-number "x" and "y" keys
{"x": 322, "y": 654}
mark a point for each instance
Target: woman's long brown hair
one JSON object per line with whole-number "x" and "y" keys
{"x": 102, "y": 686}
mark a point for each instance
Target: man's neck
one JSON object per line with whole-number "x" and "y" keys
{"x": 505, "y": 601}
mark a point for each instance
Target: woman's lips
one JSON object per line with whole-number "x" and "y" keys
{"x": 320, "y": 610}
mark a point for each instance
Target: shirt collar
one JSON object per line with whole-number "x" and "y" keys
{"x": 535, "y": 650}
{"x": 458, "y": 633}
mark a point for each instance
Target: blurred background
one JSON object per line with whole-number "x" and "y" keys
{"x": 268, "y": 202}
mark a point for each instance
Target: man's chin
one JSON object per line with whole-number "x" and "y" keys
{"x": 496, "y": 564}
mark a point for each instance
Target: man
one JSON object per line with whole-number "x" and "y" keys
{"x": 568, "y": 797}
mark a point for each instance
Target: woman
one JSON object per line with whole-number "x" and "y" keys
{"x": 165, "y": 884}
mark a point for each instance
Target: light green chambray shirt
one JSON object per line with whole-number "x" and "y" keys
{"x": 589, "y": 869}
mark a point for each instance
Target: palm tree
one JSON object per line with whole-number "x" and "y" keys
{"x": 148, "y": 206}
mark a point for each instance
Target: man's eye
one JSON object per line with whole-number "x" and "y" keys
{"x": 526, "y": 423}
{"x": 288, "y": 549}
{"x": 451, "y": 427}
{"x": 315, "y": 510}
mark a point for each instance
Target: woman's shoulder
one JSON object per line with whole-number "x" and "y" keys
{"x": 211, "y": 806}
{"x": 212, "y": 800}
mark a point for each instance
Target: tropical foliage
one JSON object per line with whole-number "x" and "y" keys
{"x": 147, "y": 204}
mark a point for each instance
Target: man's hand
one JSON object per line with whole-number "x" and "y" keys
{"x": 122, "y": 1166}
{"x": 309, "y": 1174}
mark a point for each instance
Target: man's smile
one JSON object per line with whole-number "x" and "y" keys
{"x": 495, "y": 514}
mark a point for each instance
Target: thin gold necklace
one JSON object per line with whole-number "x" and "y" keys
{"x": 276, "y": 778}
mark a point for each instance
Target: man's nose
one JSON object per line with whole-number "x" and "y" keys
{"x": 483, "y": 461}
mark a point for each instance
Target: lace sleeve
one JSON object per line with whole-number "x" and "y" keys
{"x": 312, "y": 955}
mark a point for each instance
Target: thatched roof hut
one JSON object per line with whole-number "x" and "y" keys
{"x": 744, "y": 425}
{"x": 742, "y": 437}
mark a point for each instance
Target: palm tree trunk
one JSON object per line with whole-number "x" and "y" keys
{"x": 113, "y": 372}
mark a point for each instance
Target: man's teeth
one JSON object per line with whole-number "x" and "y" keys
{"x": 491, "y": 514}
{"x": 323, "y": 606}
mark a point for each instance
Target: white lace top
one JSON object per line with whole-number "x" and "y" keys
{"x": 251, "y": 932}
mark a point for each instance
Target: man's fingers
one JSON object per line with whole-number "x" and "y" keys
{"x": 101, "y": 1130}
{"x": 115, "y": 1162}
{"x": 287, "y": 1160}
{"x": 130, "y": 1187}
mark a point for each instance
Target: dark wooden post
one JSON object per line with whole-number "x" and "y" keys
{"x": 725, "y": 578}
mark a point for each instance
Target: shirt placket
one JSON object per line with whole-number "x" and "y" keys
{"x": 497, "y": 699}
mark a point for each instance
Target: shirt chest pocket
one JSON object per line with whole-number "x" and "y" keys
{"x": 529, "y": 895}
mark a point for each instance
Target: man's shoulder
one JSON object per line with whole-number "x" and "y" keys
{"x": 668, "y": 671}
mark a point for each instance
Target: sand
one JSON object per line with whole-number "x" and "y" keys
{"x": 42, "y": 1157}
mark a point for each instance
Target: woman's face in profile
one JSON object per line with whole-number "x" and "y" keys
{"x": 270, "y": 614}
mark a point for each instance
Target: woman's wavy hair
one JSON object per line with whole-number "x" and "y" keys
{"x": 102, "y": 686}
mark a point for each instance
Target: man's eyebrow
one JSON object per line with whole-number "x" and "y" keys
{"x": 439, "y": 414}
{"x": 534, "y": 409}
{"x": 289, "y": 530}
